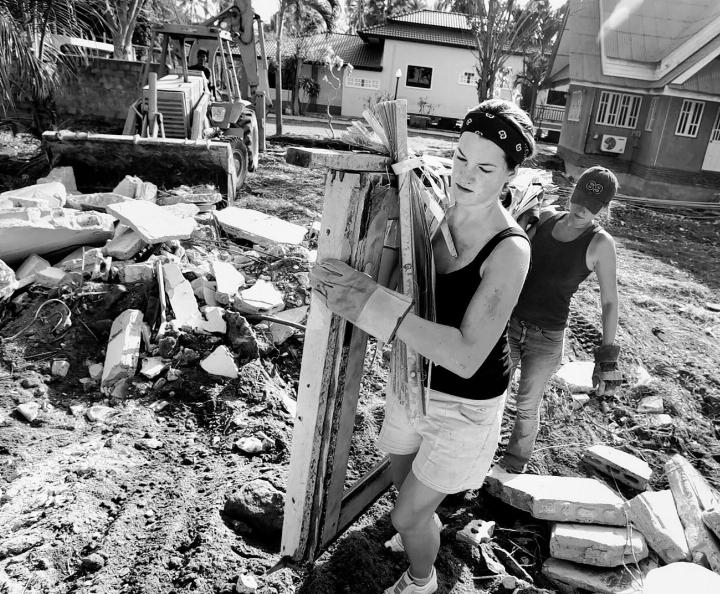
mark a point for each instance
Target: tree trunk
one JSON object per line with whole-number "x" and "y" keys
{"x": 278, "y": 71}
{"x": 296, "y": 87}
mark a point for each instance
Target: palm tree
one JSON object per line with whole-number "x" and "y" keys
{"x": 31, "y": 66}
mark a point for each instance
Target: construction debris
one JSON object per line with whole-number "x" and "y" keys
{"x": 258, "y": 227}
{"x": 220, "y": 362}
{"x": 476, "y": 532}
{"x": 622, "y": 580}
{"x": 60, "y": 368}
{"x": 32, "y": 265}
{"x": 124, "y": 246}
{"x": 50, "y": 278}
{"x": 228, "y": 280}
{"x": 655, "y": 515}
{"x": 121, "y": 358}
{"x": 155, "y": 224}
{"x": 98, "y": 201}
{"x": 693, "y": 496}
{"x": 621, "y": 466}
{"x": 262, "y": 298}
{"x": 576, "y": 375}
{"x": 712, "y": 520}
{"x": 46, "y": 195}
{"x": 28, "y": 410}
{"x": 64, "y": 175}
{"x": 681, "y": 577}
{"x": 558, "y": 498}
{"x": 8, "y": 282}
{"x": 133, "y": 187}
{"x": 651, "y": 404}
{"x": 281, "y": 332}
{"x": 601, "y": 546}
{"x": 182, "y": 298}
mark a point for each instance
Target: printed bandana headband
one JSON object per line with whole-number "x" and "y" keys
{"x": 499, "y": 131}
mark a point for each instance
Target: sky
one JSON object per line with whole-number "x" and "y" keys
{"x": 267, "y": 8}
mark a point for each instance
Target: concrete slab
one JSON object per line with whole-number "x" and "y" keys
{"x": 681, "y": 577}
{"x": 98, "y": 201}
{"x": 124, "y": 246}
{"x": 259, "y": 227}
{"x": 621, "y": 466}
{"x": 694, "y": 496}
{"x": 599, "y": 580}
{"x": 64, "y": 175}
{"x": 281, "y": 332}
{"x": 48, "y": 195}
{"x": 655, "y": 515}
{"x": 220, "y": 362}
{"x": 35, "y": 231}
{"x": 31, "y": 266}
{"x": 205, "y": 289}
{"x": 262, "y": 298}
{"x": 228, "y": 280}
{"x": 121, "y": 357}
{"x": 576, "y": 375}
{"x": 184, "y": 211}
{"x": 152, "y": 222}
{"x": 558, "y": 498}
{"x": 600, "y": 546}
{"x": 181, "y": 297}
{"x": 214, "y": 322}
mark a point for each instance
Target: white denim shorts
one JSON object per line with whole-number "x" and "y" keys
{"x": 455, "y": 442}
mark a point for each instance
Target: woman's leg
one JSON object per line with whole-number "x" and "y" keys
{"x": 413, "y": 519}
{"x": 400, "y": 465}
{"x": 540, "y": 354}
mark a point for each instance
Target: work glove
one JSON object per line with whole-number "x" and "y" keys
{"x": 606, "y": 375}
{"x": 359, "y": 299}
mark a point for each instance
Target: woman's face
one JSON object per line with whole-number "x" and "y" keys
{"x": 479, "y": 170}
{"x": 580, "y": 216}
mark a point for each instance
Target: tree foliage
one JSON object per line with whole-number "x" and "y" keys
{"x": 367, "y": 13}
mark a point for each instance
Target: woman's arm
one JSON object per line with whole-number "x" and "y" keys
{"x": 463, "y": 350}
{"x": 602, "y": 255}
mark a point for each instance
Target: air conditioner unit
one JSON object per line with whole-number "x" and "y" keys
{"x": 613, "y": 144}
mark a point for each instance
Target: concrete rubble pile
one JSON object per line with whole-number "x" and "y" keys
{"x": 606, "y": 543}
{"x": 229, "y": 298}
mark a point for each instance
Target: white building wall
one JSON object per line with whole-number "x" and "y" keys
{"x": 447, "y": 95}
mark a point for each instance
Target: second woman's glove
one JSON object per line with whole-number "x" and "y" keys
{"x": 606, "y": 375}
{"x": 359, "y": 299}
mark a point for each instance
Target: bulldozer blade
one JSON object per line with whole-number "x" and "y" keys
{"x": 101, "y": 161}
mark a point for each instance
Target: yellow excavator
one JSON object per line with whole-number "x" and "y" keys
{"x": 200, "y": 118}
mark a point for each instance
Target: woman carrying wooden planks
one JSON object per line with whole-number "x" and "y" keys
{"x": 451, "y": 448}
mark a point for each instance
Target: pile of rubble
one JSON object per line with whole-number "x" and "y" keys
{"x": 207, "y": 302}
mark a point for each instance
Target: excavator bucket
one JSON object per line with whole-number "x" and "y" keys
{"x": 101, "y": 161}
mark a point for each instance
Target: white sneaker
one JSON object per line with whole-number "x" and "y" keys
{"x": 405, "y": 585}
{"x": 395, "y": 544}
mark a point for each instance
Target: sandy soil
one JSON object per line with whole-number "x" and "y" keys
{"x": 138, "y": 502}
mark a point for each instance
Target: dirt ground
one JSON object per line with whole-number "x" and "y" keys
{"x": 142, "y": 499}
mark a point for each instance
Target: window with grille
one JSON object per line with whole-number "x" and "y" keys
{"x": 468, "y": 77}
{"x": 618, "y": 109}
{"x": 650, "y": 121}
{"x": 688, "y": 122}
{"x": 575, "y": 105}
{"x": 419, "y": 76}
{"x": 357, "y": 82}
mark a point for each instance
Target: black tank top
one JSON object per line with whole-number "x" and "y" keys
{"x": 453, "y": 292}
{"x": 556, "y": 270}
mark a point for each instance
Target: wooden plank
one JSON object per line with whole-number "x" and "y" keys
{"x": 339, "y": 234}
{"x": 317, "y": 158}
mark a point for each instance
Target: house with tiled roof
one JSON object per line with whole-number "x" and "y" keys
{"x": 424, "y": 56}
{"x": 644, "y": 94}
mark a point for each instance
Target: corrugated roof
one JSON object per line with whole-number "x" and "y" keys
{"x": 649, "y": 31}
{"x": 435, "y": 18}
{"x": 420, "y": 33}
{"x": 707, "y": 80}
{"x": 350, "y": 48}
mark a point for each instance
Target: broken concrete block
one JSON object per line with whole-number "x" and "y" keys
{"x": 651, "y": 404}
{"x": 476, "y": 532}
{"x": 249, "y": 445}
{"x": 47, "y": 195}
{"x": 576, "y": 375}
{"x": 184, "y": 211}
{"x": 220, "y": 362}
{"x": 659, "y": 420}
{"x": 644, "y": 378}
{"x": 137, "y": 273}
{"x": 601, "y": 546}
{"x": 133, "y": 187}
{"x": 43, "y": 232}
{"x": 64, "y": 175}
{"x": 98, "y": 201}
{"x": 124, "y": 246}
{"x": 246, "y": 584}
{"x": 655, "y": 515}
{"x": 694, "y": 496}
{"x": 182, "y": 298}
{"x": 8, "y": 282}
{"x": 712, "y": 520}
{"x": 95, "y": 371}
{"x": 98, "y": 412}
{"x": 214, "y": 322}
{"x": 50, "y": 278}
{"x": 259, "y": 227}
{"x": 579, "y": 400}
{"x": 152, "y": 222}
{"x": 28, "y": 410}
{"x": 261, "y": 298}
{"x": 30, "y": 266}
{"x": 620, "y": 580}
{"x": 228, "y": 280}
{"x": 121, "y": 357}
{"x": 681, "y": 577}
{"x": 623, "y": 467}
{"x": 205, "y": 289}
{"x": 281, "y": 332}
{"x": 152, "y": 367}
{"x": 558, "y": 498}
{"x": 60, "y": 368}
{"x": 88, "y": 261}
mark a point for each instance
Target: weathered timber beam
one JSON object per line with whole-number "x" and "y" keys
{"x": 317, "y": 158}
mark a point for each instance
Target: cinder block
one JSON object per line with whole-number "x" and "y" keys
{"x": 623, "y": 467}
{"x": 558, "y": 498}
{"x": 655, "y": 515}
{"x": 601, "y": 546}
